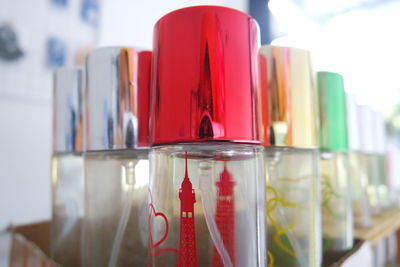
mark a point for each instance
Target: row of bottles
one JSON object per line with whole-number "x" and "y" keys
{"x": 210, "y": 151}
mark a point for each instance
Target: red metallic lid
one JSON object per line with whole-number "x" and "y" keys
{"x": 205, "y": 77}
{"x": 144, "y": 79}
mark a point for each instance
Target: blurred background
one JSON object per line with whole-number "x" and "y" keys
{"x": 357, "y": 38}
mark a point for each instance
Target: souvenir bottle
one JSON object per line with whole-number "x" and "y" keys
{"x": 290, "y": 126}
{"x": 206, "y": 175}
{"x": 116, "y": 119}
{"x": 337, "y": 213}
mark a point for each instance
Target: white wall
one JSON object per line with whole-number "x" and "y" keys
{"x": 362, "y": 45}
{"x": 25, "y": 104}
{"x": 131, "y": 22}
{"x": 24, "y": 161}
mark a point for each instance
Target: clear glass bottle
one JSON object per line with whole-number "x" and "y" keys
{"x": 337, "y": 220}
{"x": 359, "y": 185}
{"x": 380, "y": 155}
{"x": 67, "y": 168}
{"x": 115, "y": 229}
{"x": 383, "y": 190}
{"x": 393, "y": 170}
{"x": 290, "y": 123}
{"x": 374, "y": 183}
{"x": 205, "y": 202}
{"x": 206, "y": 175}
{"x": 337, "y": 213}
{"x": 358, "y": 173}
{"x": 368, "y": 156}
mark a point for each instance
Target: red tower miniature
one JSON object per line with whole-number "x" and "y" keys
{"x": 225, "y": 217}
{"x": 187, "y": 238}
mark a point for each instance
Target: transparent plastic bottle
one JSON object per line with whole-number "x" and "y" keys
{"x": 67, "y": 168}
{"x": 115, "y": 228}
{"x": 337, "y": 213}
{"x": 358, "y": 167}
{"x": 207, "y": 174}
{"x": 290, "y": 120}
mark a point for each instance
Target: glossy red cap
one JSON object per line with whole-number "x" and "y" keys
{"x": 144, "y": 80}
{"x": 205, "y": 77}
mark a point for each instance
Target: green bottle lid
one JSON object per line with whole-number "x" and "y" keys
{"x": 333, "y": 119}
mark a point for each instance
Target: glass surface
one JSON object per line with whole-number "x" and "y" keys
{"x": 337, "y": 214}
{"x": 373, "y": 183}
{"x": 67, "y": 208}
{"x": 207, "y": 206}
{"x": 393, "y": 173}
{"x": 293, "y": 207}
{"x": 383, "y": 189}
{"x": 116, "y": 196}
{"x": 359, "y": 190}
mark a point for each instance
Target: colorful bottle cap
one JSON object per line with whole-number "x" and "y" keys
{"x": 333, "y": 118}
{"x": 205, "y": 77}
{"x": 288, "y": 97}
{"x": 67, "y": 110}
{"x": 117, "y": 87}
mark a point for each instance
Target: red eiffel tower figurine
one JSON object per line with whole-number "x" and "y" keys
{"x": 225, "y": 217}
{"x": 187, "y": 238}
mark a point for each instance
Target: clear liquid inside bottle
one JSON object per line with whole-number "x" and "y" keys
{"x": 292, "y": 207}
{"x": 67, "y": 208}
{"x": 337, "y": 214}
{"x": 115, "y": 230}
{"x": 206, "y": 205}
